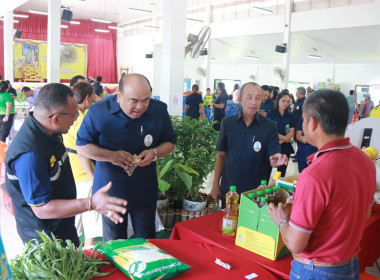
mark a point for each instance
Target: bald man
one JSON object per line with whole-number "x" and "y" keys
{"x": 113, "y": 132}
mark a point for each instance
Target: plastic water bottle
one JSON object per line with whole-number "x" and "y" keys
{"x": 251, "y": 196}
{"x": 263, "y": 184}
{"x": 269, "y": 195}
{"x": 259, "y": 194}
{"x": 230, "y": 213}
{"x": 263, "y": 202}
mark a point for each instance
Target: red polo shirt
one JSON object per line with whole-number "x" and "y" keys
{"x": 332, "y": 199}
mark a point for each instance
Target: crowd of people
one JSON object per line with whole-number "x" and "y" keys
{"x": 72, "y": 166}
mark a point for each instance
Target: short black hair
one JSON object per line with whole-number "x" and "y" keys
{"x": 266, "y": 88}
{"x": 208, "y": 88}
{"x": 24, "y": 89}
{"x": 302, "y": 90}
{"x": 53, "y": 96}
{"x": 99, "y": 78}
{"x": 352, "y": 92}
{"x": 8, "y": 82}
{"x": 3, "y": 86}
{"x": 121, "y": 82}
{"x": 330, "y": 108}
{"x": 75, "y": 79}
{"x": 249, "y": 83}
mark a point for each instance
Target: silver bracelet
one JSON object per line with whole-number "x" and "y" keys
{"x": 282, "y": 223}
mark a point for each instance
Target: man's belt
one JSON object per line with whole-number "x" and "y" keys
{"x": 300, "y": 259}
{"x": 71, "y": 151}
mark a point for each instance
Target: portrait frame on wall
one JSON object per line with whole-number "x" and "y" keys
{"x": 31, "y": 54}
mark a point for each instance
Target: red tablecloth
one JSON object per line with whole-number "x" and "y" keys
{"x": 370, "y": 244}
{"x": 207, "y": 230}
{"x": 201, "y": 258}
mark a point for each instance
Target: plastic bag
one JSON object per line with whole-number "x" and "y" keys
{"x": 141, "y": 260}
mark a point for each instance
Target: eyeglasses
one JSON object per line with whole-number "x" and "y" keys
{"x": 66, "y": 114}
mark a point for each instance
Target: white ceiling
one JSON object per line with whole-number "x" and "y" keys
{"x": 345, "y": 45}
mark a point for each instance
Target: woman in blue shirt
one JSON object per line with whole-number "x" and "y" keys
{"x": 194, "y": 103}
{"x": 284, "y": 120}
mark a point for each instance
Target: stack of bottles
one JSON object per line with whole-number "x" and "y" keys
{"x": 265, "y": 195}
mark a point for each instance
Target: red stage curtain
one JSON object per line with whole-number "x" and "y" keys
{"x": 101, "y": 47}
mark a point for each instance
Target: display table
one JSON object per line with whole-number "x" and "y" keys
{"x": 207, "y": 230}
{"x": 201, "y": 258}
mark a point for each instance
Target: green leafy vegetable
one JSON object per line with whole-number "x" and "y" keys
{"x": 50, "y": 260}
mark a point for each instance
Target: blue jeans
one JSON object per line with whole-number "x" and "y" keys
{"x": 311, "y": 272}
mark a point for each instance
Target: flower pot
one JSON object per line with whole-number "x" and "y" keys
{"x": 194, "y": 206}
{"x": 163, "y": 203}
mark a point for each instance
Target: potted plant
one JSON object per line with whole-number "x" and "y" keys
{"x": 195, "y": 148}
{"x": 168, "y": 165}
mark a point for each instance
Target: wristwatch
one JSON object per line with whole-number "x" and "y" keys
{"x": 155, "y": 154}
{"x": 282, "y": 223}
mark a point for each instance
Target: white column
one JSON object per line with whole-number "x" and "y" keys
{"x": 206, "y": 80}
{"x": 286, "y": 58}
{"x": 54, "y": 41}
{"x": 172, "y": 59}
{"x": 8, "y": 46}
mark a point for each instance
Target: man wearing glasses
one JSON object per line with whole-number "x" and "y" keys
{"x": 39, "y": 177}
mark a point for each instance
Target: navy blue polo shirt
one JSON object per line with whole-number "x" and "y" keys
{"x": 193, "y": 101}
{"x": 247, "y": 149}
{"x": 267, "y": 106}
{"x": 221, "y": 99}
{"x": 284, "y": 124}
{"x": 297, "y": 112}
{"x": 304, "y": 150}
{"x": 107, "y": 126}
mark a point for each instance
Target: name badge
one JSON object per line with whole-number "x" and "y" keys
{"x": 148, "y": 140}
{"x": 257, "y": 146}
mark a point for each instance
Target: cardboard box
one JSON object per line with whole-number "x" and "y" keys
{"x": 257, "y": 232}
{"x": 287, "y": 183}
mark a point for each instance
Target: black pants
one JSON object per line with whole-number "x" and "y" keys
{"x": 5, "y": 127}
{"x": 218, "y": 119}
{"x": 143, "y": 223}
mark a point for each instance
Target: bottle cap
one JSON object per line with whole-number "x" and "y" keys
{"x": 295, "y": 182}
{"x": 263, "y": 182}
{"x": 233, "y": 188}
{"x": 275, "y": 188}
{"x": 268, "y": 190}
{"x": 251, "y": 195}
{"x": 259, "y": 192}
{"x": 278, "y": 173}
{"x": 264, "y": 199}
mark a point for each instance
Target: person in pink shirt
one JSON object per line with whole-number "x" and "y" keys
{"x": 333, "y": 198}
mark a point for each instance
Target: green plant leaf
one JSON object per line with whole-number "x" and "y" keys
{"x": 163, "y": 185}
{"x": 186, "y": 178}
{"x": 165, "y": 169}
{"x": 186, "y": 168}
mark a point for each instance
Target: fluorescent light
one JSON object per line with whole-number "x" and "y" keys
{"x": 101, "y": 20}
{"x": 140, "y": 11}
{"x": 151, "y": 26}
{"x": 102, "y": 30}
{"x": 15, "y": 20}
{"x": 38, "y": 12}
{"x": 20, "y": 15}
{"x": 74, "y": 22}
{"x": 252, "y": 57}
{"x": 115, "y": 27}
{"x": 315, "y": 56}
{"x": 63, "y": 26}
{"x": 194, "y": 19}
{"x": 266, "y": 11}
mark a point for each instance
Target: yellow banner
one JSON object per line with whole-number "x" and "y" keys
{"x": 30, "y": 59}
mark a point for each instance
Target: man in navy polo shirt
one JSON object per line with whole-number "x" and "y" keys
{"x": 267, "y": 104}
{"x": 246, "y": 140}
{"x": 113, "y": 132}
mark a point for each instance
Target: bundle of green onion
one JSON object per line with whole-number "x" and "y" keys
{"x": 50, "y": 260}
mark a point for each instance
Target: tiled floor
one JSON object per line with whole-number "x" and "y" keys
{"x": 13, "y": 244}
